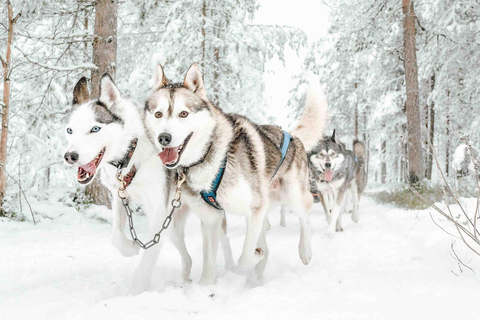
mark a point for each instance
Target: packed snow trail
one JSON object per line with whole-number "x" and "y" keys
{"x": 395, "y": 264}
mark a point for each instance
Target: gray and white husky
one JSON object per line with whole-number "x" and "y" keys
{"x": 100, "y": 135}
{"x": 336, "y": 172}
{"x": 196, "y": 137}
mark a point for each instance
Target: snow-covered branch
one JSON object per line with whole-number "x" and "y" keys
{"x": 83, "y": 66}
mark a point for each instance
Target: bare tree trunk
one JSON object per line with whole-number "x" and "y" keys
{"x": 6, "y": 64}
{"x": 105, "y": 58}
{"x": 447, "y": 145}
{"x": 356, "y": 114}
{"x": 85, "y": 23}
{"x": 415, "y": 159}
{"x": 105, "y": 41}
{"x": 384, "y": 164}
{"x": 216, "y": 58}
{"x": 204, "y": 34}
{"x": 366, "y": 139}
{"x": 431, "y": 132}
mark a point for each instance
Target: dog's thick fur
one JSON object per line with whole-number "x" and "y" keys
{"x": 201, "y": 135}
{"x": 338, "y": 173}
{"x": 120, "y": 121}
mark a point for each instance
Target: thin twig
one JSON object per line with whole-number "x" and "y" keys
{"x": 458, "y": 259}
{"x": 23, "y": 192}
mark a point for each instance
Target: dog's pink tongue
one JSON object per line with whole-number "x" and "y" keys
{"x": 328, "y": 175}
{"x": 89, "y": 167}
{"x": 169, "y": 155}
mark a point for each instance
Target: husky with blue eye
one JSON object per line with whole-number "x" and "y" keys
{"x": 107, "y": 135}
{"x": 336, "y": 173}
{"x": 232, "y": 164}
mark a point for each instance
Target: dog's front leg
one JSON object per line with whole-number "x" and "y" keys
{"x": 225, "y": 242}
{"x": 177, "y": 236}
{"x": 283, "y": 223}
{"x": 339, "y": 207}
{"x": 250, "y": 255}
{"x": 126, "y": 247}
{"x": 141, "y": 278}
{"x": 355, "y": 200}
{"x": 211, "y": 229}
{"x": 262, "y": 244}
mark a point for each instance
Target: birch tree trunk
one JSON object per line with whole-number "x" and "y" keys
{"x": 6, "y": 64}
{"x": 105, "y": 58}
{"x": 415, "y": 158}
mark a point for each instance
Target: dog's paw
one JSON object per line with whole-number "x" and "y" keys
{"x": 126, "y": 247}
{"x": 305, "y": 251}
{"x": 355, "y": 218}
{"x": 206, "y": 280}
{"x": 248, "y": 263}
{"x": 338, "y": 229}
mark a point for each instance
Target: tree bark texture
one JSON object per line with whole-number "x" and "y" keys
{"x": 431, "y": 132}
{"x": 6, "y": 64}
{"x": 105, "y": 58}
{"x": 384, "y": 164}
{"x": 415, "y": 158}
{"x": 447, "y": 145}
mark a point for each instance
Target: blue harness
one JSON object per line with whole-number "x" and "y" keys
{"x": 210, "y": 197}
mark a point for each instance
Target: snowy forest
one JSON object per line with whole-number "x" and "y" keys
{"x": 401, "y": 76}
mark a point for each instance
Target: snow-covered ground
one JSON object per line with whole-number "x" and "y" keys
{"x": 394, "y": 264}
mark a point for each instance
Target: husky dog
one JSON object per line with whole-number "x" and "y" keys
{"x": 336, "y": 172}
{"x": 463, "y": 162}
{"x": 232, "y": 164}
{"x": 107, "y": 134}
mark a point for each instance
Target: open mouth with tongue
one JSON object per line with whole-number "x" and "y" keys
{"x": 328, "y": 175}
{"x": 171, "y": 156}
{"x": 87, "y": 172}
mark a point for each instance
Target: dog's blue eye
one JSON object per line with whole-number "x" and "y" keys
{"x": 95, "y": 129}
{"x": 69, "y": 130}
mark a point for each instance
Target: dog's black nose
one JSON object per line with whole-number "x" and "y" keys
{"x": 165, "y": 139}
{"x": 71, "y": 157}
{"x": 328, "y": 165}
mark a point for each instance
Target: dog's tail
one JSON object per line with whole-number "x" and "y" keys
{"x": 358, "y": 149}
{"x": 312, "y": 124}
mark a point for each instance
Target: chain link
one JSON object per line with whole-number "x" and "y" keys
{"x": 176, "y": 203}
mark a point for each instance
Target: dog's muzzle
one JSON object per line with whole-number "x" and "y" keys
{"x": 71, "y": 157}
{"x": 164, "y": 139}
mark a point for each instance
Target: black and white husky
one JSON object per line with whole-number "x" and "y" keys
{"x": 338, "y": 173}
{"x": 101, "y": 135}
{"x": 232, "y": 164}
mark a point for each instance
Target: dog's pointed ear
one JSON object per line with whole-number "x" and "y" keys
{"x": 159, "y": 79}
{"x": 333, "y": 137}
{"x": 80, "y": 92}
{"x": 109, "y": 93}
{"x": 194, "y": 82}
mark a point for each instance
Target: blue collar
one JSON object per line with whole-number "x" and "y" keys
{"x": 283, "y": 149}
{"x": 210, "y": 196}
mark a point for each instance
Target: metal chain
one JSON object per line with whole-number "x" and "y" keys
{"x": 176, "y": 203}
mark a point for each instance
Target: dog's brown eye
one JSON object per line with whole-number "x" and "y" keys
{"x": 183, "y": 114}
{"x": 158, "y": 114}
{"x": 321, "y": 155}
{"x": 333, "y": 154}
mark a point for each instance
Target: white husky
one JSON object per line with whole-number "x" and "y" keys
{"x": 100, "y": 135}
